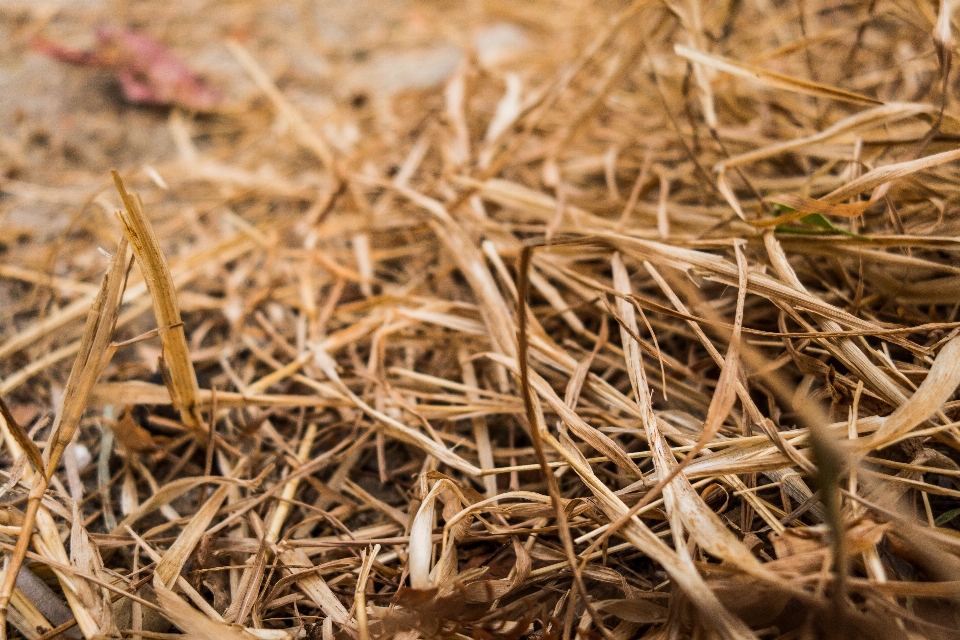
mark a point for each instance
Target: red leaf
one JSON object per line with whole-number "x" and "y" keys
{"x": 147, "y": 71}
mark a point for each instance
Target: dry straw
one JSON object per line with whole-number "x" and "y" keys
{"x": 649, "y": 332}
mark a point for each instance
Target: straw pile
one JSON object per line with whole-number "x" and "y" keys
{"x": 649, "y": 331}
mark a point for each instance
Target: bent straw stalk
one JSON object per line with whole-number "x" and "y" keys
{"x": 87, "y": 368}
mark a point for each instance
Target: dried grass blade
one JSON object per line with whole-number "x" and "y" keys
{"x": 943, "y": 40}
{"x": 91, "y": 359}
{"x": 939, "y": 385}
{"x": 85, "y": 556}
{"x": 883, "y": 114}
{"x": 773, "y": 79}
{"x": 297, "y": 562}
{"x": 193, "y": 622}
{"x": 290, "y": 488}
{"x": 481, "y": 432}
{"x": 803, "y": 206}
{"x": 888, "y": 173}
{"x": 575, "y": 385}
{"x": 725, "y": 393}
{"x": 360, "y": 594}
{"x": 168, "y": 493}
{"x": 134, "y": 392}
{"x": 179, "y": 552}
